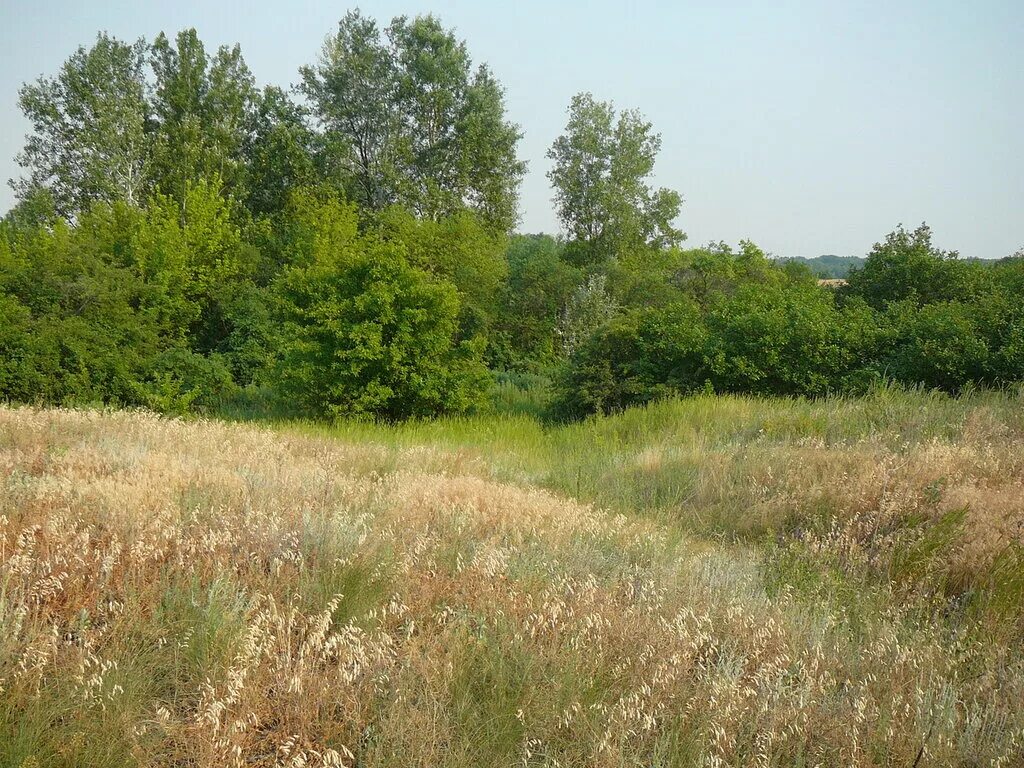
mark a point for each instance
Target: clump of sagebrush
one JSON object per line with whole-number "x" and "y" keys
{"x": 193, "y": 593}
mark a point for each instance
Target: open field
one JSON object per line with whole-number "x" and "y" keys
{"x": 712, "y": 581}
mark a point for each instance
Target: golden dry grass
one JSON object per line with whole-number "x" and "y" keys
{"x": 199, "y": 594}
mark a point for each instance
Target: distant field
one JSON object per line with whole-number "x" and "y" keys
{"x": 716, "y": 581}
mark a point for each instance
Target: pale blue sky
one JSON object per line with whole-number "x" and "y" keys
{"x": 809, "y": 127}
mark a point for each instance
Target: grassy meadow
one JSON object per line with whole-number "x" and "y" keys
{"x": 713, "y": 581}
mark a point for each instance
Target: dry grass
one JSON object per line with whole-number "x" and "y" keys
{"x": 198, "y": 594}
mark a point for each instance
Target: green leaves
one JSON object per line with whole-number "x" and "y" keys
{"x": 367, "y": 334}
{"x": 459, "y": 249}
{"x": 80, "y": 323}
{"x": 202, "y": 108}
{"x": 279, "y": 150}
{"x": 601, "y": 167}
{"x": 407, "y": 121}
{"x": 532, "y": 299}
{"x": 907, "y": 266}
{"x": 100, "y": 133}
{"x": 88, "y": 140}
{"x": 180, "y": 233}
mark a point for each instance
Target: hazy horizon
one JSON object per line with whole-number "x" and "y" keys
{"x": 809, "y": 130}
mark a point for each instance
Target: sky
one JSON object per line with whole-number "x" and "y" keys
{"x": 807, "y": 127}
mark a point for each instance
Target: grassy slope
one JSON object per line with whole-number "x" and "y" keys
{"x": 715, "y": 581}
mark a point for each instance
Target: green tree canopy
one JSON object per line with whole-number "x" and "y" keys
{"x": 532, "y": 298}
{"x": 459, "y": 249}
{"x": 407, "y": 120}
{"x": 202, "y": 109}
{"x": 906, "y": 266}
{"x": 88, "y": 141}
{"x": 279, "y": 153}
{"x": 365, "y": 333}
{"x": 601, "y": 170}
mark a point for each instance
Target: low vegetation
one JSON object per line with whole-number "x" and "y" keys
{"x": 718, "y": 580}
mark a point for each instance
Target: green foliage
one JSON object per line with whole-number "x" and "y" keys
{"x": 587, "y": 309}
{"x": 365, "y": 333}
{"x": 604, "y": 373}
{"x": 185, "y": 242}
{"x": 191, "y": 253}
{"x": 246, "y": 332}
{"x": 908, "y": 267}
{"x": 459, "y": 249}
{"x": 407, "y": 121}
{"x": 280, "y": 152}
{"x": 531, "y": 301}
{"x": 725, "y": 322}
{"x": 169, "y": 219}
{"x": 728, "y": 321}
{"x": 316, "y": 223}
{"x": 78, "y": 328}
{"x": 179, "y": 380}
{"x": 601, "y": 167}
{"x": 88, "y": 139}
{"x": 776, "y": 340}
{"x": 202, "y": 107}
{"x": 938, "y": 345}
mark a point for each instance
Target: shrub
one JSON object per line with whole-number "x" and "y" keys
{"x": 367, "y": 334}
{"x": 938, "y": 345}
{"x": 906, "y": 266}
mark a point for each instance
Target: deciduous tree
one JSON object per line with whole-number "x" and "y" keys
{"x": 407, "y": 120}
{"x": 202, "y": 108}
{"x": 601, "y": 176}
{"x": 88, "y": 141}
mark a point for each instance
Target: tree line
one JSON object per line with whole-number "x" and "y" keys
{"x": 185, "y": 241}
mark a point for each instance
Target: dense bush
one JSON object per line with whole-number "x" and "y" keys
{"x": 735, "y": 322}
{"x": 365, "y": 333}
{"x": 907, "y": 267}
{"x": 160, "y": 307}
{"x": 531, "y": 300}
{"x": 79, "y": 327}
{"x": 177, "y": 305}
